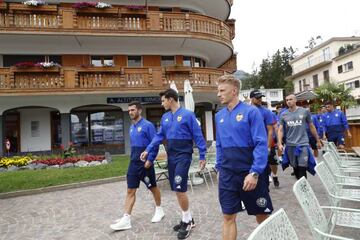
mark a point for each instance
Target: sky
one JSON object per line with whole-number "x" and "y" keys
{"x": 263, "y": 26}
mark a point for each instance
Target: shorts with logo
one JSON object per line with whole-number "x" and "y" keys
{"x": 297, "y": 161}
{"x": 138, "y": 173}
{"x": 178, "y": 174}
{"x": 338, "y": 139}
{"x": 231, "y": 194}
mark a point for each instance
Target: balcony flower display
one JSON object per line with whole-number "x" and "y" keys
{"x": 34, "y": 3}
{"x": 24, "y": 65}
{"x": 47, "y": 64}
{"x": 92, "y": 4}
{"x": 108, "y": 64}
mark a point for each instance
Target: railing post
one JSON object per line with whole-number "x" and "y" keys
{"x": 154, "y": 21}
{"x": 68, "y": 18}
{"x": 187, "y": 22}
{"x": 69, "y": 77}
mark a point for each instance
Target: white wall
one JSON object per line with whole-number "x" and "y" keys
{"x": 43, "y": 141}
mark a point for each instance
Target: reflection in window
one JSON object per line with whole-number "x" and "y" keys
{"x": 107, "y": 128}
{"x": 134, "y": 61}
{"x": 167, "y": 61}
{"x": 79, "y": 128}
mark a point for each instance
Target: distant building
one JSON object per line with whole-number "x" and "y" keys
{"x": 272, "y": 96}
{"x": 336, "y": 60}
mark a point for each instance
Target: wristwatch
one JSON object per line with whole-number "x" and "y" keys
{"x": 255, "y": 175}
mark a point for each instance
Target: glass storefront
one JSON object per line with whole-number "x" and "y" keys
{"x": 98, "y": 128}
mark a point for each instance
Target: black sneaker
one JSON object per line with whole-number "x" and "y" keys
{"x": 184, "y": 230}
{"x": 178, "y": 226}
{"x": 276, "y": 181}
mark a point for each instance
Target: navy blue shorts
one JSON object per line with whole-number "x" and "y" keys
{"x": 338, "y": 139}
{"x": 136, "y": 174}
{"x": 178, "y": 174}
{"x": 231, "y": 194}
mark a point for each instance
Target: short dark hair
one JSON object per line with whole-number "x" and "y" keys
{"x": 137, "y": 104}
{"x": 329, "y": 103}
{"x": 170, "y": 93}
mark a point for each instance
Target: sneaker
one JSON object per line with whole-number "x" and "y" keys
{"x": 159, "y": 214}
{"x": 276, "y": 182}
{"x": 123, "y": 223}
{"x": 185, "y": 230}
{"x": 178, "y": 226}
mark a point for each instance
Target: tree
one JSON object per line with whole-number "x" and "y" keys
{"x": 336, "y": 93}
{"x": 313, "y": 42}
{"x": 273, "y": 72}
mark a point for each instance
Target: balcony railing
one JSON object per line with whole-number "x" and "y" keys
{"x": 114, "y": 20}
{"x": 312, "y": 62}
{"x": 35, "y": 80}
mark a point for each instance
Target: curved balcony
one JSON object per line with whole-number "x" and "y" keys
{"x": 219, "y": 9}
{"x": 38, "y": 81}
{"x": 63, "y": 30}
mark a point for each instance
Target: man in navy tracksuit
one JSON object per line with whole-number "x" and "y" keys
{"x": 321, "y": 119}
{"x": 335, "y": 125}
{"x": 180, "y": 128}
{"x": 141, "y": 133}
{"x": 241, "y": 158}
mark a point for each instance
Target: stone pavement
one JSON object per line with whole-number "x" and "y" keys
{"x": 86, "y": 213}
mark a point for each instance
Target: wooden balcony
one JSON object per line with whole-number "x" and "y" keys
{"x": 18, "y": 18}
{"x": 38, "y": 81}
{"x": 230, "y": 65}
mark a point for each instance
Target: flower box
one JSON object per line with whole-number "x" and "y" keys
{"x": 35, "y": 69}
{"x": 98, "y": 69}
{"x": 133, "y": 10}
{"x": 178, "y": 69}
{"x": 42, "y": 8}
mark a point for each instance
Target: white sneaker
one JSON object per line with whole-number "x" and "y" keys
{"x": 123, "y": 223}
{"x": 159, "y": 214}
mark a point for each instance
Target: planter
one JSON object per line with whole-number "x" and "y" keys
{"x": 113, "y": 10}
{"x": 35, "y": 69}
{"x": 99, "y": 69}
{"x": 130, "y": 11}
{"x": 178, "y": 69}
{"x": 43, "y": 8}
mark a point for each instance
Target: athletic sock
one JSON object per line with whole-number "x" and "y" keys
{"x": 186, "y": 216}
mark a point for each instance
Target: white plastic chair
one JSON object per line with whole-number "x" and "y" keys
{"x": 277, "y": 226}
{"x": 340, "y": 176}
{"x": 345, "y": 159}
{"x": 335, "y": 191}
{"x": 320, "y": 226}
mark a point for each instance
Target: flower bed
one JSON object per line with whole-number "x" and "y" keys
{"x": 35, "y": 162}
{"x": 61, "y": 161}
{"x": 14, "y": 161}
{"x": 99, "y": 5}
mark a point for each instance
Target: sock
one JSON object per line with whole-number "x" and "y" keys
{"x": 128, "y": 216}
{"x": 158, "y": 208}
{"x": 186, "y": 216}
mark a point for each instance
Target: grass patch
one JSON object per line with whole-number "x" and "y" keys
{"x": 31, "y": 179}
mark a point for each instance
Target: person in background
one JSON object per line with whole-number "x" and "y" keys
{"x": 335, "y": 125}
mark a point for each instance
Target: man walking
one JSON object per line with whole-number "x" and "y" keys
{"x": 180, "y": 128}
{"x": 241, "y": 158}
{"x": 269, "y": 122}
{"x": 297, "y": 151}
{"x": 141, "y": 134}
{"x": 335, "y": 125}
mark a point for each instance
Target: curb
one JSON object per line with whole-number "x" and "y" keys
{"x": 60, "y": 187}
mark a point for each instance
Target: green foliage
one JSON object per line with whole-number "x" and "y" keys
{"x": 273, "y": 71}
{"x": 336, "y": 93}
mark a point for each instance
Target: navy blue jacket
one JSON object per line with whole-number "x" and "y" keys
{"x": 241, "y": 139}
{"x": 335, "y": 122}
{"x": 179, "y": 129}
{"x": 141, "y": 135}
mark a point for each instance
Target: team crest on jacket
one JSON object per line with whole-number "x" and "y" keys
{"x": 179, "y": 118}
{"x": 336, "y": 115}
{"x": 239, "y": 117}
{"x": 139, "y": 129}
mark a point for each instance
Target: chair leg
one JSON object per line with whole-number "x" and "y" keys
{"x": 207, "y": 185}
{"x": 211, "y": 179}
{"x": 191, "y": 186}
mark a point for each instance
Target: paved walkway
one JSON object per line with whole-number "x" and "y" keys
{"x": 86, "y": 213}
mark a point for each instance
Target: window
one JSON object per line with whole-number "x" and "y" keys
{"x": 340, "y": 69}
{"x": 164, "y": 9}
{"x": 310, "y": 61}
{"x": 326, "y": 53}
{"x": 167, "y": 61}
{"x": 193, "y": 62}
{"x": 315, "y": 81}
{"x": 134, "y": 61}
{"x": 300, "y": 86}
{"x": 305, "y": 86}
{"x": 100, "y": 61}
{"x": 187, "y": 61}
{"x": 348, "y": 66}
{"x": 326, "y": 76}
{"x": 273, "y": 94}
{"x": 353, "y": 84}
{"x": 11, "y": 60}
